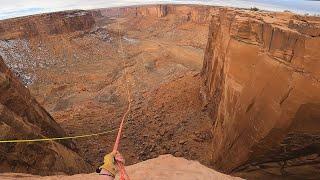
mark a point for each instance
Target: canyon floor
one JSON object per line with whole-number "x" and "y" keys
{"x": 86, "y": 93}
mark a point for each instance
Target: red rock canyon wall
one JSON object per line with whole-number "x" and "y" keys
{"x": 262, "y": 88}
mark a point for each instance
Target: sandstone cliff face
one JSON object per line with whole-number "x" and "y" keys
{"x": 21, "y": 117}
{"x": 134, "y": 11}
{"x": 194, "y": 13}
{"x": 262, "y": 88}
{"x": 46, "y": 24}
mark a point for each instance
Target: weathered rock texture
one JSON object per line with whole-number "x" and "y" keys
{"x": 46, "y": 24}
{"x": 262, "y": 88}
{"x": 164, "y": 167}
{"x": 21, "y": 117}
{"x": 194, "y": 13}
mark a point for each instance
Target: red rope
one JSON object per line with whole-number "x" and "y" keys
{"x": 123, "y": 173}
{"x": 116, "y": 144}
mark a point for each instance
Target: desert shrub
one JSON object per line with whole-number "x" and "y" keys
{"x": 254, "y": 9}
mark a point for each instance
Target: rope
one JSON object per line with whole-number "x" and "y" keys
{"x": 123, "y": 173}
{"x": 116, "y": 145}
{"x": 56, "y": 138}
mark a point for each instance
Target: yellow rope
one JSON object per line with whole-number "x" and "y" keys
{"x": 56, "y": 138}
{"x": 88, "y": 135}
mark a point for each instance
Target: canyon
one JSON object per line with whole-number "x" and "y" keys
{"x": 235, "y": 89}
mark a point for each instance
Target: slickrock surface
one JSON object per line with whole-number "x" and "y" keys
{"x": 262, "y": 88}
{"x": 21, "y": 117}
{"x": 165, "y": 167}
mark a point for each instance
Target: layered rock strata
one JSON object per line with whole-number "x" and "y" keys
{"x": 46, "y": 24}
{"x": 262, "y": 88}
